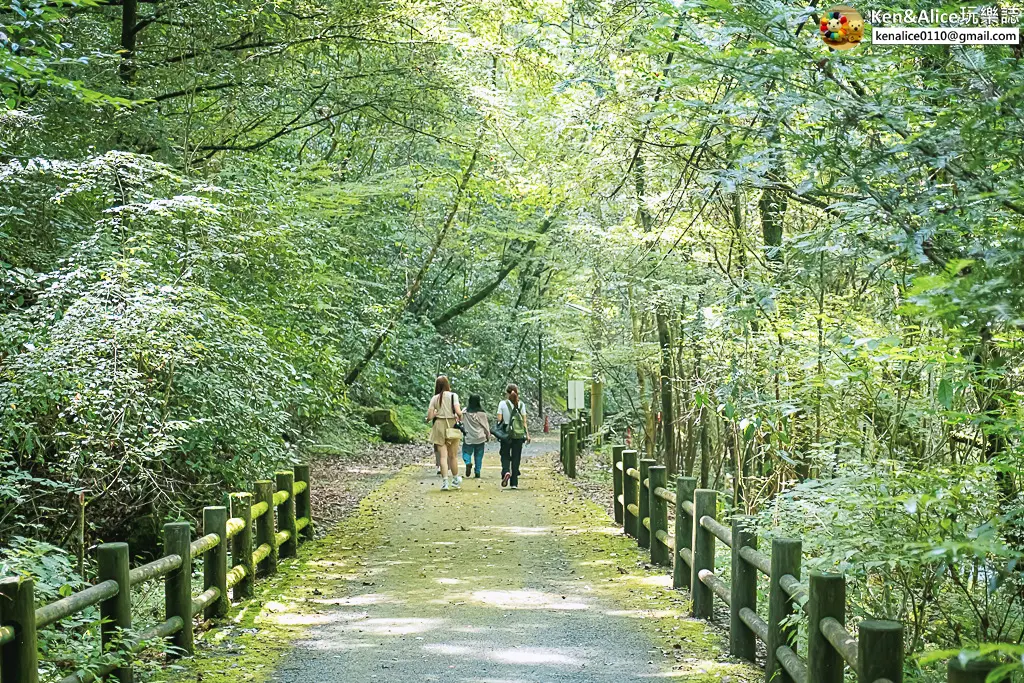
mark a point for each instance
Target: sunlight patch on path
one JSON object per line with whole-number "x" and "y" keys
{"x": 527, "y": 656}
{"x": 526, "y": 600}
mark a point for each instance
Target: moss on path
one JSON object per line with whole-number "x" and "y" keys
{"x": 481, "y": 584}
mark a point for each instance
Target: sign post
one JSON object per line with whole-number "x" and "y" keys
{"x": 575, "y": 399}
{"x": 575, "y": 395}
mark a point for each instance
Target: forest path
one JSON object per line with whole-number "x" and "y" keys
{"x": 488, "y": 585}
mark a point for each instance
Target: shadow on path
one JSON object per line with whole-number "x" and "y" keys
{"x": 484, "y": 585}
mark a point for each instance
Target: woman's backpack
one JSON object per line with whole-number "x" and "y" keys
{"x": 517, "y": 424}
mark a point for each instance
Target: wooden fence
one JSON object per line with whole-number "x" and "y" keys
{"x": 641, "y": 500}
{"x": 256, "y": 545}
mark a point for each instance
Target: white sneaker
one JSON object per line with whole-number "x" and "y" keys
{"x": 444, "y": 484}
{"x": 456, "y": 482}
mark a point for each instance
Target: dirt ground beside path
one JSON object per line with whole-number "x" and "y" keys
{"x": 482, "y": 585}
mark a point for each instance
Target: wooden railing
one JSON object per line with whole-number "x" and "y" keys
{"x": 641, "y": 500}
{"x": 254, "y": 552}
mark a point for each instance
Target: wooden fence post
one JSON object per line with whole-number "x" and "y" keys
{"x": 580, "y": 436}
{"x": 743, "y": 590}
{"x": 570, "y": 470}
{"x": 617, "y": 482}
{"x": 19, "y": 659}
{"x": 880, "y": 650}
{"x": 630, "y": 488}
{"x": 786, "y": 555}
{"x": 973, "y": 671}
{"x": 660, "y": 553}
{"x": 286, "y": 513}
{"x": 643, "y": 533}
{"x": 704, "y": 503}
{"x": 826, "y": 597}
{"x": 178, "y": 586}
{"x": 685, "y": 486}
{"x": 304, "y": 502}
{"x": 265, "y": 526}
{"x": 570, "y": 450}
{"x": 561, "y": 445}
{"x": 215, "y": 560}
{"x": 241, "y": 545}
{"x": 115, "y": 612}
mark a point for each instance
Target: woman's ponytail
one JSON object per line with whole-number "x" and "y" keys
{"x": 513, "y": 393}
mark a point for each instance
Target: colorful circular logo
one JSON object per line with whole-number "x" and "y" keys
{"x": 842, "y": 27}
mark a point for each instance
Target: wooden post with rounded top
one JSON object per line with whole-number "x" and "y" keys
{"x": 743, "y": 590}
{"x": 242, "y": 547}
{"x": 630, "y": 493}
{"x": 116, "y": 612}
{"x": 880, "y": 651}
{"x": 685, "y": 486}
{"x": 215, "y": 561}
{"x": 178, "y": 587}
{"x": 643, "y": 533}
{"x": 304, "y": 502}
{"x": 826, "y": 597}
{"x": 19, "y": 659}
{"x": 265, "y": 526}
{"x": 617, "y": 482}
{"x": 786, "y": 555}
{"x": 286, "y": 514}
{"x": 705, "y": 502}
{"x": 660, "y": 553}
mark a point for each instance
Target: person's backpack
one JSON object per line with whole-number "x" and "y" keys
{"x": 517, "y": 424}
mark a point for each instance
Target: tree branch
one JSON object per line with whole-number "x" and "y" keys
{"x": 414, "y": 288}
{"x": 201, "y": 88}
{"x": 485, "y": 291}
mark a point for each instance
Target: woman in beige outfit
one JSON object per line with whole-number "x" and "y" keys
{"x": 443, "y": 412}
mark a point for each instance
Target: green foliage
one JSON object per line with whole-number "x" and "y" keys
{"x": 32, "y": 49}
{"x": 797, "y": 271}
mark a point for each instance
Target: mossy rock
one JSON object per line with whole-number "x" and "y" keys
{"x": 376, "y": 417}
{"x": 394, "y": 433}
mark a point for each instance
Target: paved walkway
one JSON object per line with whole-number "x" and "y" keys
{"x": 480, "y": 585}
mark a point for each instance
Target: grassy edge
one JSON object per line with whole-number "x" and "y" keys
{"x": 620, "y": 572}
{"x": 250, "y": 644}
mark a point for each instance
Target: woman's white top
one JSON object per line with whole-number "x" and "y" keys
{"x": 505, "y": 410}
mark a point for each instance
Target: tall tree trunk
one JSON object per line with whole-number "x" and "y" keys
{"x": 129, "y": 31}
{"x": 668, "y": 437}
{"x": 705, "y": 447}
{"x": 636, "y": 327}
{"x": 773, "y": 203}
{"x": 651, "y": 433}
{"x": 988, "y": 363}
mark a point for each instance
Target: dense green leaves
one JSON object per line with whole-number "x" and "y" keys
{"x": 797, "y": 271}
